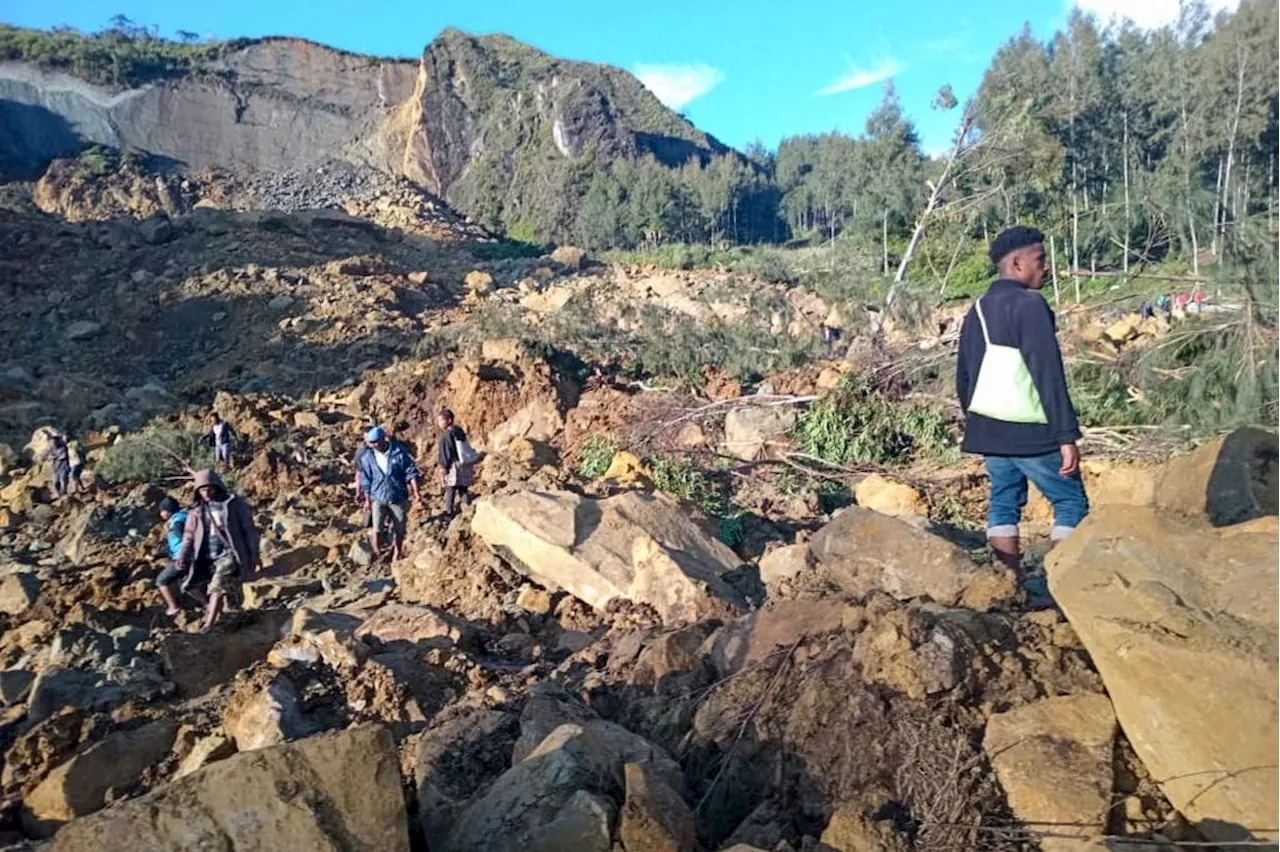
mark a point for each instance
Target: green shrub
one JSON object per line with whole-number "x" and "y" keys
{"x": 595, "y": 456}
{"x": 855, "y": 423}
{"x": 683, "y": 480}
{"x": 159, "y": 453}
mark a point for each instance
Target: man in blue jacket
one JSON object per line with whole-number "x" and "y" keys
{"x": 1019, "y": 414}
{"x": 387, "y": 477}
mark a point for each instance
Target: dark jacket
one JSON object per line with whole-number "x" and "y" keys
{"x": 392, "y": 486}
{"x": 1017, "y": 317}
{"x": 455, "y": 475}
{"x": 240, "y": 529}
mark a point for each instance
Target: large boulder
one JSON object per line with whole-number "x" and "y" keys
{"x": 1053, "y": 758}
{"x": 635, "y": 546}
{"x": 79, "y": 786}
{"x": 1230, "y": 480}
{"x": 896, "y": 499}
{"x": 861, "y": 551}
{"x": 336, "y": 791}
{"x": 18, "y": 592}
{"x": 749, "y": 431}
{"x": 1180, "y": 619}
{"x": 456, "y": 758}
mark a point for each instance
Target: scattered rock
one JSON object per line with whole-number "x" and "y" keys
{"x": 570, "y": 257}
{"x": 14, "y": 686}
{"x": 266, "y": 716}
{"x": 205, "y": 751}
{"x": 261, "y": 592}
{"x": 1053, "y": 759}
{"x": 654, "y": 817}
{"x": 417, "y": 625}
{"x": 862, "y": 550}
{"x": 782, "y": 624}
{"x": 80, "y": 786}
{"x": 895, "y": 499}
{"x": 82, "y": 330}
{"x": 1180, "y": 619}
{"x": 750, "y": 430}
{"x": 626, "y": 469}
{"x": 479, "y": 283}
{"x": 456, "y": 758}
{"x": 783, "y": 563}
{"x": 533, "y": 599}
{"x": 854, "y": 827}
{"x": 335, "y": 791}
{"x": 633, "y": 545}
{"x": 18, "y": 592}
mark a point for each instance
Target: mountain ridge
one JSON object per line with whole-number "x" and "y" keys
{"x": 508, "y": 133}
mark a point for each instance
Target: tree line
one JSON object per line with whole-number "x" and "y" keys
{"x": 1129, "y": 145}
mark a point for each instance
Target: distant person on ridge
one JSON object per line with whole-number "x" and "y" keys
{"x": 387, "y": 477}
{"x": 456, "y": 459}
{"x": 221, "y": 436}
{"x": 1013, "y": 389}
{"x": 219, "y": 541}
{"x": 175, "y": 522}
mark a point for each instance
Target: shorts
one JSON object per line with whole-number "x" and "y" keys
{"x": 168, "y": 575}
{"x": 398, "y": 511}
{"x": 226, "y": 575}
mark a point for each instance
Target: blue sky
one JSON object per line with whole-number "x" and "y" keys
{"x": 740, "y": 70}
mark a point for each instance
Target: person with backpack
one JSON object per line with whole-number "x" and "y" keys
{"x": 1013, "y": 390}
{"x": 174, "y": 518}
{"x": 387, "y": 476}
{"x": 456, "y": 459}
{"x": 219, "y": 541}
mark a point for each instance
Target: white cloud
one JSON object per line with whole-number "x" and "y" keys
{"x": 1148, "y": 14}
{"x": 678, "y": 85}
{"x": 860, "y": 78}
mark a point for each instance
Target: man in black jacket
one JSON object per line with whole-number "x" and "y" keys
{"x": 1019, "y": 416}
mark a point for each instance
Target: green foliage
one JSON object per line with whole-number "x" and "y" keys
{"x": 855, "y": 423}
{"x": 156, "y": 454}
{"x": 124, "y": 54}
{"x": 97, "y": 160}
{"x": 683, "y": 480}
{"x": 595, "y": 456}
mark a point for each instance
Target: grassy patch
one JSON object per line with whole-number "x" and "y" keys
{"x": 595, "y": 456}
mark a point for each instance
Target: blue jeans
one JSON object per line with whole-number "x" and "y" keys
{"x": 1009, "y": 475}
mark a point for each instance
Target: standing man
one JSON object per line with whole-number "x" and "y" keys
{"x": 456, "y": 472}
{"x": 387, "y": 477}
{"x": 1013, "y": 390}
{"x": 59, "y": 454}
{"x": 221, "y": 436}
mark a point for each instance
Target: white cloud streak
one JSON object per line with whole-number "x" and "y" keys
{"x": 1148, "y": 14}
{"x": 860, "y": 78}
{"x": 678, "y": 85}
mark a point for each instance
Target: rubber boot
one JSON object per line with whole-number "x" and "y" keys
{"x": 1007, "y": 551}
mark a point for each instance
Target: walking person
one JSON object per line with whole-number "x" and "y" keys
{"x": 75, "y": 460}
{"x": 456, "y": 460}
{"x": 219, "y": 539}
{"x": 222, "y": 437}
{"x": 59, "y": 453}
{"x": 1013, "y": 389}
{"x": 387, "y": 476}
{"x": 168, "y": 581}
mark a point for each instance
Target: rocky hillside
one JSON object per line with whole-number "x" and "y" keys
{"x": 499, "y": 129}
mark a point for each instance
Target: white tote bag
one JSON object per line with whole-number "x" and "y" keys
{"x": 1004, "y": 389}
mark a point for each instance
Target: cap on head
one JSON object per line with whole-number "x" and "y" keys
{"x": 169, "y": 505}
{"x": 374, "y": 435}
{"x": 1012, "y": 239}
